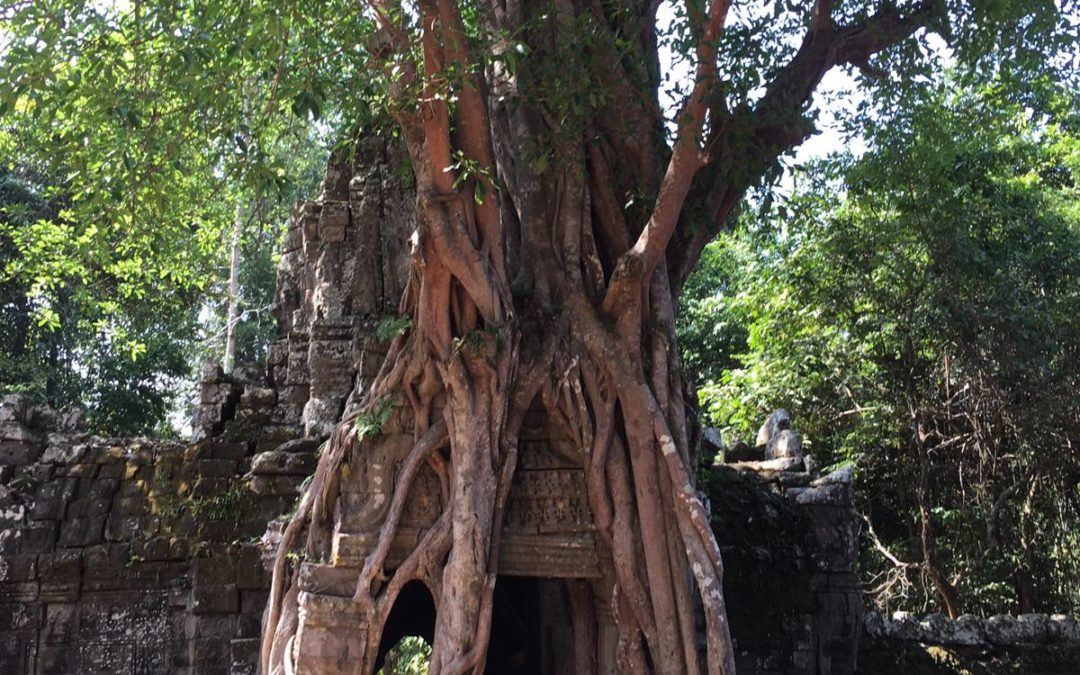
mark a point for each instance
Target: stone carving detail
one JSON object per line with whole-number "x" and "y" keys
{"x": 366, "y": 497}
{"x": 547, "y": 509}
{"x": 548, "y": 501}
{"x": 426, "y": 504}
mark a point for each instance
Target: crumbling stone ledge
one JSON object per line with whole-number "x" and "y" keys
{"x": 1001, "y": 630}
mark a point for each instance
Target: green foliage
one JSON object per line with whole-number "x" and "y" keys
{"x": 924, "y": 296}
{"x": 220, "y": 507}
{"x": 258, "y": 279}
{"x": 709, "y": 337}
{"x": 158, "y": 118}
{"x": 141, "y": 128}
{"x": 393, "y": 326}
{"x": 410, "y": 656}
{"x": 474, "y": 342}
{"x": 262, "y": 233}
{"x": 81, "y": 344}
{"x": 469, "y": 171}
{"x": 371, "y": 423}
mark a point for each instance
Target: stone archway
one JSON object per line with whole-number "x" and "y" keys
{"x": 413, "y": 615}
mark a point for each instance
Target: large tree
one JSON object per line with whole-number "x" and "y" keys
{"x": 559, "y": 212}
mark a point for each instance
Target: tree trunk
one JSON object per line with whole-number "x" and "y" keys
{"x": 543, "y": 274}
{"x": 1025, "y": 569}
{"x": 232, "y": 317}
{"x": 950, "y": 597}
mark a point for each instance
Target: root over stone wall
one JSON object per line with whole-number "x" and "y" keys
{"x": 143, "y": 556}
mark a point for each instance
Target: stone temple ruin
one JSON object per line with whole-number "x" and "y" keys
{"x": 547, "y": 540}
{"x": 149, "y": 556}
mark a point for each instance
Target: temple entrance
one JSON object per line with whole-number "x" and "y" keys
{"x": 531, "y": 632}
{"x": 550, "y": 609}
{"x": 413, "y": 615}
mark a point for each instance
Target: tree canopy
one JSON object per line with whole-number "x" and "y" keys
{"x": 150, "y": 116}
{"x": 137, "y": 130}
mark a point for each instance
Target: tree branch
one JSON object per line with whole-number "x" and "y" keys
{"x": 639, "y": 262}
{"x": 751, "y": 138}
{"x": 474, "y": 127}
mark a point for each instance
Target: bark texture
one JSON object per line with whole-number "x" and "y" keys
{"x": 551, "y": 242}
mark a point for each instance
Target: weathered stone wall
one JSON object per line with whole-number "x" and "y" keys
{"x": 880, "y": 655}
{"x": 133, "y": 555}
{"x": 1001, "y": 630}
{"x": 344, "y": 266}
{"x": 788, "y": 538}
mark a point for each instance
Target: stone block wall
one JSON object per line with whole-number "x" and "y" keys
{"x": 789, "y": 542}
{"x": 789, "y": 537}
{"x": 134, "y": 555}
{"x": 343, "y": 269}
{"x": 1001, "y": 630}
{"x": 1034, "y": 644}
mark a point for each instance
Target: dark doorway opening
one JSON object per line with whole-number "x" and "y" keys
{"x": 413, "y": 614}
{"x": 531, "y": 626}
{"x": 531, "y": 629}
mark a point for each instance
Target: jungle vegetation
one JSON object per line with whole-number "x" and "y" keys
{"x": 555, "y": 190}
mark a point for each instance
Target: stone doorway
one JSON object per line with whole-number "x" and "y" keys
{"x": 532, "y": 628}
{"x": 413, "y": 615}
{"x": 532, "y": 631}
{"x": 549, "y": 569}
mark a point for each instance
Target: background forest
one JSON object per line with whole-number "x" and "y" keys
{"x": 915, "y": 305}
{"x": 917, "y": 309}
